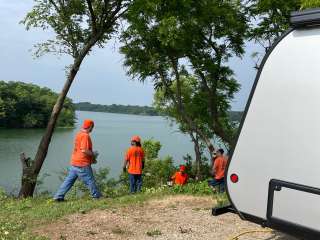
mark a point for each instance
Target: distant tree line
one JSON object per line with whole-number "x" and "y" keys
{"x": 25, "y": 105}
{"x": 115, "y": 108}
{"x": 135, "y": 110}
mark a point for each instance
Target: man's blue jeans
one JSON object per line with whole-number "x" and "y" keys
{"x": 86, "y": 176}
{"x": 135, "y": 182}
{"x": 217, "y": 183}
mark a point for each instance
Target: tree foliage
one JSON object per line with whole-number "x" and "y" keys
{"x": 76, "y": 24}
{"x": 194, "y": 100}
{"x": 151, "y": 148}
{"x": 25, "y": 105}
{"x": 310, "y": 4}
{"x": 157, "y": 171}
{"x": 169, "y": 39}
{"x": 270, "y": 19}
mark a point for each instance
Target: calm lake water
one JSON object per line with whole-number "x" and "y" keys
{"x": 111, "y": 137}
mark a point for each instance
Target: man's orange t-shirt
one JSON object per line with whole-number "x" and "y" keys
{"x": 219, "y": 167}
{"x": 82, "y": 142}
{"x": 180, "y": 178}
{"x": 135, "y": 157}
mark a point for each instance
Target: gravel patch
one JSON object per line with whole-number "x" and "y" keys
{"x": 175, "y": 217}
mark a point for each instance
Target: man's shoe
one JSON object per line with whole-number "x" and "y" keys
{"x": 59, "y": 200}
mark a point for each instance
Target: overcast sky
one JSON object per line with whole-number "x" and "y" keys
{"x": 102, "y": 77}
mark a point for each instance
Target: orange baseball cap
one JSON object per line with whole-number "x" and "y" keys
{"x": 87, "y": 123}
{"x": 182, "y": 168}
{"x": 135, "y": 139}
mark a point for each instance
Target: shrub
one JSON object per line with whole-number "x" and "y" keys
{"x": 194, "y": 188}
{"x": 191, "y": 167}
{"x": 158, "y": 171}
{"x": 154, "y": 232}
{"x": 3, "y": 194}
{"x": 151, "y": 148}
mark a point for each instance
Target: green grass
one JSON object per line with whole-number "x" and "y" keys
{"x": 19, "y": 216}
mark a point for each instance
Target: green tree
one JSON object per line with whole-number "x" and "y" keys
{"x": 310, "y": 4}
{"x": 163, "y": 37}
{"x": 78, "y": 26}
{"x": 157, "y": 171}
{"x": 195, "y": 104}
{"x": 269, "y": 20}
{"x": 151, "y": 148}
{"x": 25, "y": 105}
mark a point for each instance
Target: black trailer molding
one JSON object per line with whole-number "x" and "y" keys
{"x": 302, "y": 19}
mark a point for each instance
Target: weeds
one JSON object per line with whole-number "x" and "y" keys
{"x": 118, "y": 231}
{"x": 154, "y": 233}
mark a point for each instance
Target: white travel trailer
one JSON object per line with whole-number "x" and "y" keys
{"x": 273, "y": 177}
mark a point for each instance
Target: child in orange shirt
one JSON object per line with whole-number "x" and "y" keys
{"x": 134, "y": 163}
{"x": 180, "y": 177}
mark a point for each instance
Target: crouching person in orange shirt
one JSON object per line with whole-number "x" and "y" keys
{"x": 180, "y": 177}
{"x": 134, "y": 163}
{"x": 81, "y": 160}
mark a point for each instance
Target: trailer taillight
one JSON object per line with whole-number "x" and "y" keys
{"x": 234, "y": 178}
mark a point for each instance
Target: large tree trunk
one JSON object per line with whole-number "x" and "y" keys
{"x": 28, "y": 179}
{"x": 198, "y": 155}
{"x": 28, "y": 184}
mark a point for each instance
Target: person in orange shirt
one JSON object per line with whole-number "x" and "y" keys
{"x": 134, "y": 163}
{"x": 82, "y": 158}
{"x": 218, "y": 169}
{"x": 180, "y": 177}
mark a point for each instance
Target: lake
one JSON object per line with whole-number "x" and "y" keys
{"x": 111, "y": 137}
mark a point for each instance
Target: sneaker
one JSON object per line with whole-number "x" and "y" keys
{"x": 59, "y": 200}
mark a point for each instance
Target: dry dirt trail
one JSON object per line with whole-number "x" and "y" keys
{"x": 174, "y": 217}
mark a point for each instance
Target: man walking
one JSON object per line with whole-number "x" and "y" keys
{"x": 81, "y": 160}
{"x": 218, "y": 170}
{"x": 134, "y": 162}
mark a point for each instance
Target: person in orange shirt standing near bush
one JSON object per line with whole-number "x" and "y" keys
{"x": 180, "y": 177}
{"x": 134, "y": 163}
{"x": 218, "y": 170}
{"x": 81, "y": 160}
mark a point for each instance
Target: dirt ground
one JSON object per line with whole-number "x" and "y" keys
{"x": 175, "y": 217}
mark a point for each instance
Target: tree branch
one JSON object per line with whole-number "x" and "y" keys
{"x": 72, "y": 42}
{"x": 54, "y": 5}
{"x": 93, "y": 17}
